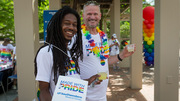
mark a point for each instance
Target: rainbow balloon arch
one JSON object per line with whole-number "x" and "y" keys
{"x": 148, "y": 35}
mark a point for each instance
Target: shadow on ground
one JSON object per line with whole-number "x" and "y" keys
{"x": 119, "y": 85}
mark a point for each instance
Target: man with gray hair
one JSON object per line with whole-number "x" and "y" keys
{"x": 96, "y": 52}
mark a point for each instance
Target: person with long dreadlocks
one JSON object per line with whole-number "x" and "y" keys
{"x": 55, "y": 57}
{"x": 96, "y": 52}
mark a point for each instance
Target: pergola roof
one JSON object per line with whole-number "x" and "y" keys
{"x": 104, "y": 5}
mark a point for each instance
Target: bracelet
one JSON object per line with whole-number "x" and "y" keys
{"x": 119, "y": 58}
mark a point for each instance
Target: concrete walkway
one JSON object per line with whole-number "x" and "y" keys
{"x": 11, "y": 95}
{"x": 118, "y": 89}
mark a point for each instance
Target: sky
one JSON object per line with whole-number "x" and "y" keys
{"x": 150, "y": 1}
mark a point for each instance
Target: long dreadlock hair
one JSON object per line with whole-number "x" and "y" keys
{"x": 55, "y": 37}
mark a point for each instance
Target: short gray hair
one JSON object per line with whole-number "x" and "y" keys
{"x": 92, "y": 3}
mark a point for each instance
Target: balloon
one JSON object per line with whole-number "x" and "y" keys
{"x": 149, "y": 50}
{"x": 151, "y": 21}
{"x": 153, "y": 25}
{"x": 144, "y": 35}
{"x": 150, "y": 58}
{"x": 144, "y": 50}
{"x": 146, "y": 47}
{"x": 145, "y": 22}
{"x": 149, "y": 42}
{"x": 149, "y": 34}
{"x": 144, "y": 59}
{"x": 152, "y": 38}
{"x": 145, "y": 42}
{"x": 146, "y": 30}
{"x": 148, "y": 63}
{"x": 149, "y": 26}
{"x": 151, "y": 30}
{"x": 151, "y": 46}
{"x": 144, "y": 26}
{"x": 152, "y": 54}
{"x": 146, "y": 54}
{"x": 148, "y": 13}
{"x": 146, "y": 39}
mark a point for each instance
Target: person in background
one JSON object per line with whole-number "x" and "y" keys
{"x": 56, "y": 57}
{"x": 114, "y": 49}
{"x": 6, "y": 48}
{"x": 14, "y": 86}
{"x": 96, "y": 51}
{"x": 14, "y": 57}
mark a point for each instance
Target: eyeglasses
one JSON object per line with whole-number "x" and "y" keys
{"x": 92, "y": 2}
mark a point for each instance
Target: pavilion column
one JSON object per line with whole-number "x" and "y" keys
{"x": 111, "y": 19}
{"x": 78, "y": 8}
{"x": 136, "y": 38}
{"x": 27, "y": 43}
{"x": 55, "y": 4}
{"x": 166, "y": 50}
{"x": 71, "y": 3}
{"x": 105, "y": 26}
{"x": 117, "y": 18}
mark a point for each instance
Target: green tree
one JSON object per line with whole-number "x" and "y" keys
{"x": 6, "y": 19}
{"x": 42, "y": 5}
{"x": 125, "y": 29}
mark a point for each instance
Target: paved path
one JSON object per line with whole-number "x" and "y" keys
{"x": 118, "y": 89}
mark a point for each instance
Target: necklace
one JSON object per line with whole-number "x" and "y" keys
{"x": 102, "y": 51}
{"x": 71, "y": 61}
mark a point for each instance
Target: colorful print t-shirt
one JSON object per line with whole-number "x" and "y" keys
{"x": 90, "y": 66}
{"x": 6, "y": 51}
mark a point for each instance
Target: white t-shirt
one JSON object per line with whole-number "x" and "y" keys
{"x": 90, "y": 66}
{"x": 6, "y": 51}
{"x": 114, "y": 50}
{"x": 14, "y": 50}
{"x": 45, "y": 71}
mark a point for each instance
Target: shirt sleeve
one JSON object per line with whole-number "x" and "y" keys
{"x": 14, "y": 50}
{"x": 117, "y": 41}
{"x": 0, "y": 46}
{"x": 10, "y": 46}
{"x": 44, "y": 65}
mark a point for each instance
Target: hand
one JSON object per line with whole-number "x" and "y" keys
{"x": 92, "y": 78}
{"x": 12, "y": 64}
{"x": 125, "y": 52}
{"x": 116, "y": 43}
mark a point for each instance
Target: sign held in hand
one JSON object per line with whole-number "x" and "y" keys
{"x": 70, "y": 89}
